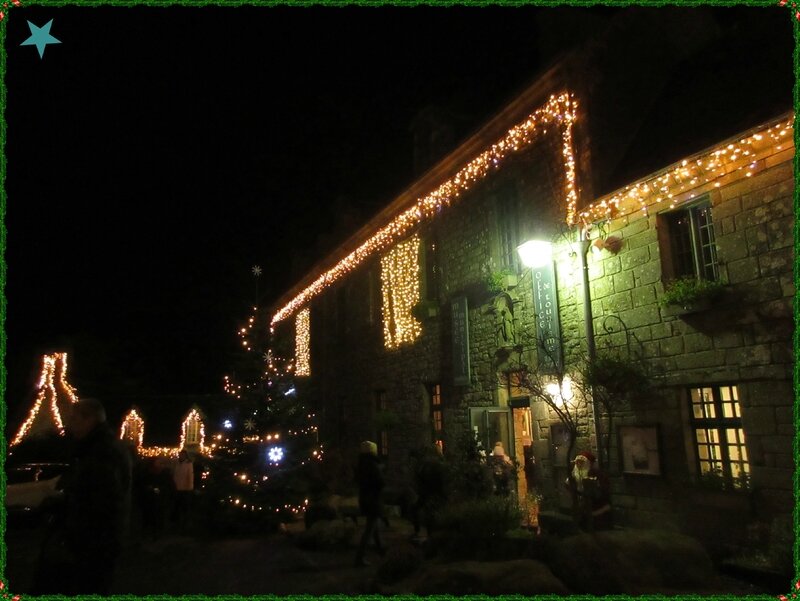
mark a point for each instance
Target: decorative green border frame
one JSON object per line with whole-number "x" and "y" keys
{"x": 793, "y": 14}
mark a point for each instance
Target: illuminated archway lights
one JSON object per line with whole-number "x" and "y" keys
{"x": 57, "y": 362}
{"x": 558, "y": 110}
{"x": 132, "y": 428}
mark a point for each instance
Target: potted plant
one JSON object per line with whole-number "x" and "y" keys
{"x": 690, "y": 294}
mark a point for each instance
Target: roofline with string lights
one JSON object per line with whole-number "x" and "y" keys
{"x": 472, "y": 161}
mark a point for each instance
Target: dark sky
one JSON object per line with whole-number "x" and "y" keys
{"x": 156, "y": 154}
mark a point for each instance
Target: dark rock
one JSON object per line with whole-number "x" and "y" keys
{"x": 633, "y": 562}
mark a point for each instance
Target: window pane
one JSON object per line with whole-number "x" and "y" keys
{"x": 681, "y": 244}
{"x": 707, "y": 251}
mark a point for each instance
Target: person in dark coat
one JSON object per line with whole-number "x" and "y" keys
{"x": 429, "y": 480}
{"x": 370, "y": 486}
{"x": 87, "y": 533}
{"x": 153, "y": 486}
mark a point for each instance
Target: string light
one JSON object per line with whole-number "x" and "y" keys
{"x": 558, "y": 110}
{"x": 693, "y": 174}
{"x": 400, "y": 290}
{"x": 302, "y": 342}
{"x": 132, "y": 428}
{"x": 57, "y": 362}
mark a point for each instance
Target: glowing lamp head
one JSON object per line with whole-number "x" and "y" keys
{"x": 535, "y": 253}
{"x": 227, "y": 424}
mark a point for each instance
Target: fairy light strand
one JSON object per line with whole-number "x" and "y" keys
{"x": 678, "y": 182}
{"x": 558, "y": 110}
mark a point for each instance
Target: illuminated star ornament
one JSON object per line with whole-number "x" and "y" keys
{"x": 40, "y": 37}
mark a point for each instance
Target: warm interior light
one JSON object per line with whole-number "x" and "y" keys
{"x": 535, "y": 253}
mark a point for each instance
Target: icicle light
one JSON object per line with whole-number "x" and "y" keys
{"x": 400, "y": 291}
{"x": 302, "y": 346}
{"x": 667, "y": 186}
{"x": 558, "y": 111}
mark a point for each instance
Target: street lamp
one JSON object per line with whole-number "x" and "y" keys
{"x": 538, "y": 254}
{"x": 535, "y": 253}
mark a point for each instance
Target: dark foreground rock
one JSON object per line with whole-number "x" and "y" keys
{"x": 523, "y": 577}
{"x": 634, "y": 562}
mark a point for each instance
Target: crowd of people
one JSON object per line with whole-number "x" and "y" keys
{"x": 91, "y": 517}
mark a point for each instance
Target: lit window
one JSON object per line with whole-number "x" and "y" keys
{"x": 719, "y": 437}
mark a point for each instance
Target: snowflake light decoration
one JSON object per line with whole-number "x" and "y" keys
{"x": 249, "y": 424}
{"x": 275, "y": 454}
{"x": 256, "y": 270}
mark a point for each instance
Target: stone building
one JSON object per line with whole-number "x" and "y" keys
{"x": 413, "y": 331}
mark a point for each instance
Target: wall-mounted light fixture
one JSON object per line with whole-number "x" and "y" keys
{"x": 535, "y": 253}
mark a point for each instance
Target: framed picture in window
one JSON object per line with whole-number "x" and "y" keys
{"x": 639, "y": 450}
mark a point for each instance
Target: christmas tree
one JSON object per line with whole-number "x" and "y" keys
{"x": 266, "y": 454}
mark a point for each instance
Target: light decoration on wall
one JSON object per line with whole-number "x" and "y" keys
{"x": 302, "y": 343}
{"x": 400, "y": 290}
{"x": 193, "y": 420}
{"x": 666, "y": 187}
{"x": 57, "y": 362}
{"x": 132, "y": 428}
{"x": 558, "y": 111}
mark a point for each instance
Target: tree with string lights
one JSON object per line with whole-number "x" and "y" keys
{"x": 266, "y": 452}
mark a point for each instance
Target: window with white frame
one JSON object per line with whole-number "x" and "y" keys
{"x": 688, "y": 244}
{"x": 716, "y": 421}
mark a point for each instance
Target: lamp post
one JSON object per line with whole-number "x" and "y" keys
{"x": 537, "y": 254}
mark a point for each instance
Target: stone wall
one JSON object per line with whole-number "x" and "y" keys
{"x": 744, "y": 340}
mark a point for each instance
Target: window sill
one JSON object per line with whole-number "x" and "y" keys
{"x": 677, "y": 310}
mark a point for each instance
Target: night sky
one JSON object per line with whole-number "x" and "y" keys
{"x": 156, "y": 154}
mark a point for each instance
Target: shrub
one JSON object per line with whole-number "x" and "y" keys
{"x": 480, "y": 518}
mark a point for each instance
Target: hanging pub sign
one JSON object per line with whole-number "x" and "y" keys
{"x": 545, "y": 306}
{"x": 460, "y": 319}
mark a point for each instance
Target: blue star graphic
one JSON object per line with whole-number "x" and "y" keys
{"x": 40, "y": 37}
